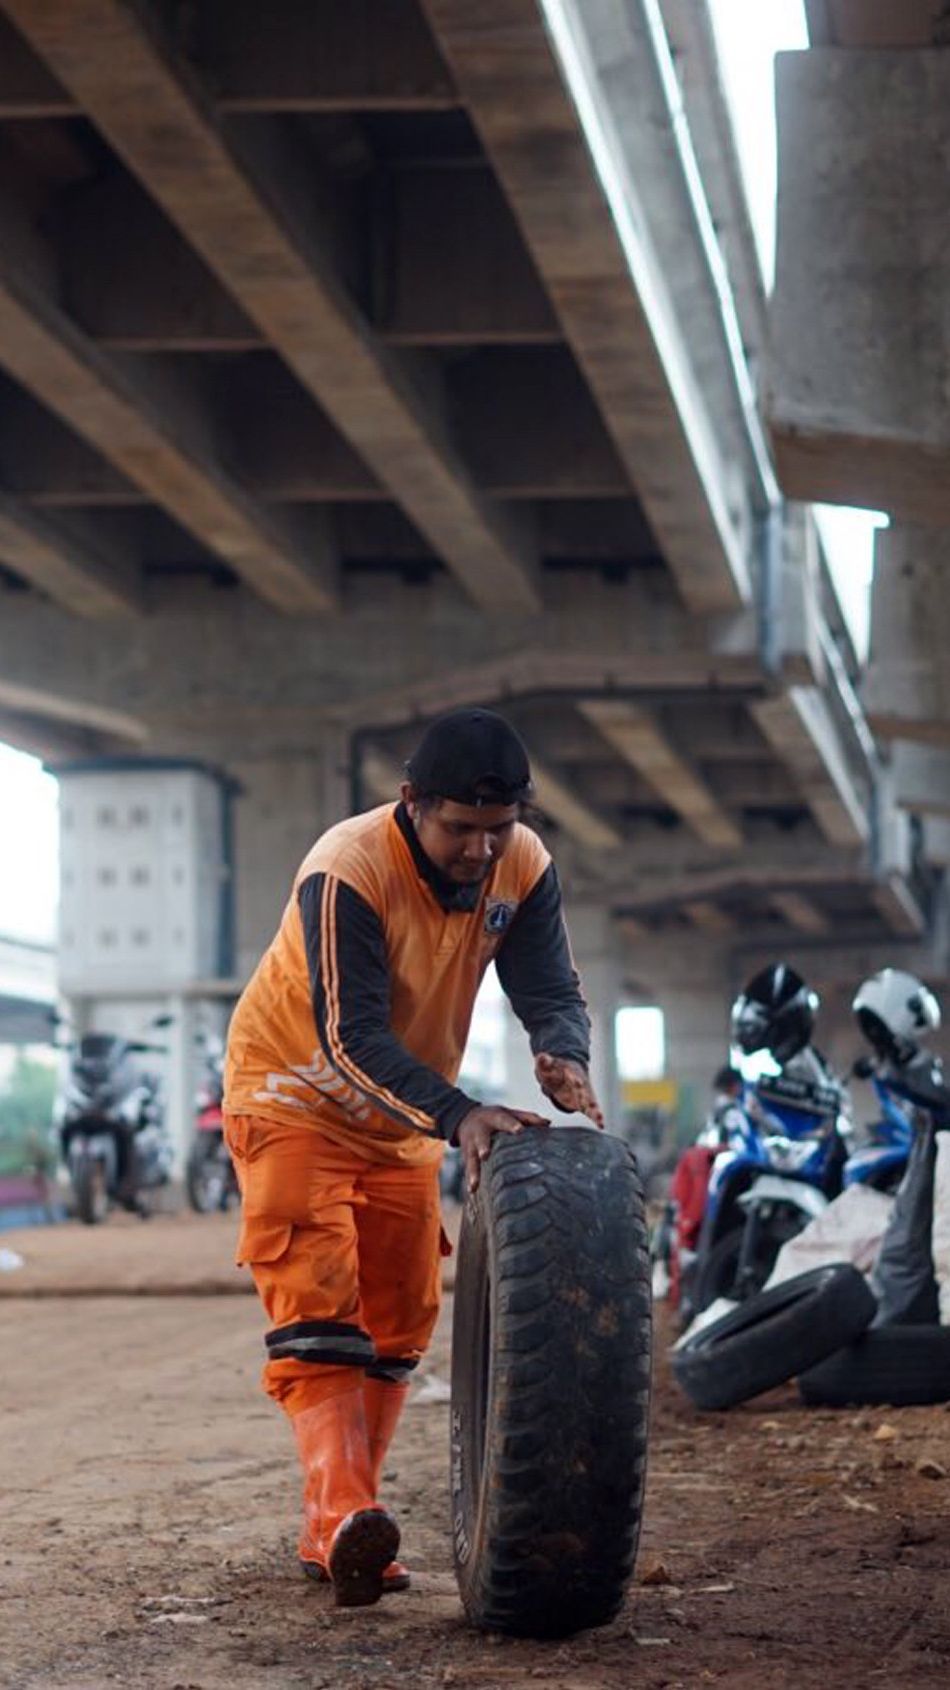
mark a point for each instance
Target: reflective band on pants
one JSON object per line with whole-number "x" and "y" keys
{"x": 346, "y": 1247}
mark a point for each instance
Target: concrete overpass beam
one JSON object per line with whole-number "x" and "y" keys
{"x": 591, "y": 236}
{"x": 799, "y": 912}
{"x": 907, "y": 687}
{"x": 937, "y": 840}
{"x": 654, "y": 876}
{"x": 153, "y": 430}
{"x": 635, "y": 734}
{"x": 899, "y": 907}
{"x": 211, "y": 678}
{"x": 61, "y": 708}
{"x": 316, "y": 55}
{"x": 248, "y": 206}
{"x": 71, "y": 571}
{"x": 579, "y": 821}
{"x": 920, "y": 779}
{"x": 164, "y": 298}
{"x": 799, "y": 726}
{"x": 856, "y": 400}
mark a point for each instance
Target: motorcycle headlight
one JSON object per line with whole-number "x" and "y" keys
{"x": 790, "y": 1154}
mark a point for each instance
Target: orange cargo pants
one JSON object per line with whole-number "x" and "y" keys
{"x": 345, "y": 1255}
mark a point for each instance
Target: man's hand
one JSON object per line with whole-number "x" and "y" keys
{"x": 475, "y": 1135}
{"x": 567, "y": 1085}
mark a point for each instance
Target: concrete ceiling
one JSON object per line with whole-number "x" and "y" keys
{"x": 333, "y": 392}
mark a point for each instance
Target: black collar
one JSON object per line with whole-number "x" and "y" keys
{"x": 450, "y": 895}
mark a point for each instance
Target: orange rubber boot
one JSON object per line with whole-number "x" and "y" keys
{"x": 346, "y": 1535}
{"x": 384, "y": 1402}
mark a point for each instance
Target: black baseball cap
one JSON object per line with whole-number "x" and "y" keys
{"x": 471, "y": 757}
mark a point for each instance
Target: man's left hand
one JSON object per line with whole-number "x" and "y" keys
{"x": 566, "y": 1084}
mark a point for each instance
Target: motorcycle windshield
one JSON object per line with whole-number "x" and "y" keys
{"x": 795, "y": 1109}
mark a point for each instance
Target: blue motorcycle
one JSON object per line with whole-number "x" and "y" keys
{"x": 783, "y": 1163}
{"x": 881, "y": 1162}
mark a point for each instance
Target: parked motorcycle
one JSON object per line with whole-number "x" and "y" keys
{"x": 881, "y": 1161}
{"x": 786, "y": 1145}
{"x": 210, "y": 1180}
{"x": 112, "y": 1127}
{"x": 785, "y": 1165}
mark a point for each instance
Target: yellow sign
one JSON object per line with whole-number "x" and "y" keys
{"x": 650, "y": 1094}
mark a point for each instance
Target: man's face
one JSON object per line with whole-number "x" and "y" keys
{"x": 460, "y": 839}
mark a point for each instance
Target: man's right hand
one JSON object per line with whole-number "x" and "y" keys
{"x": 475, "y": 1135}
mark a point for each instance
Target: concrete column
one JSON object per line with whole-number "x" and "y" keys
{"x": 181, "y": 1077}
{"x": 858, "y": 318}
{"x": 906, "y": 692}
{"x": 697, "y": 1041}
{"x": 285, "y": 804}
{"x": 921, "y": 779}
{"x": 937, "y": 840}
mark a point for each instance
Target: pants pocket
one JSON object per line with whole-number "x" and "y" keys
{"x": 263, "y": 1238}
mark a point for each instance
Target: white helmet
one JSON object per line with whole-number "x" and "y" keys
{"x": 894, "y": 1010}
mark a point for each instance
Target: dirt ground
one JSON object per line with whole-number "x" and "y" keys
{"x": 148, "y": 1501}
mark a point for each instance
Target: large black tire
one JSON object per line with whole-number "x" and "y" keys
{"x": 92, "y": 1195}
{"x": 550, "y": 1383}
{"x": 774, "y": 1336}
{"x": 714, "y": 1272}
{"x": 897, "y": 1365}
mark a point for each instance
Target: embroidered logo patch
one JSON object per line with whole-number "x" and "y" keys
{"x": 498, "y": 914}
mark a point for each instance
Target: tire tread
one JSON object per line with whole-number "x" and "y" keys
{"x": 564, "y": 1225}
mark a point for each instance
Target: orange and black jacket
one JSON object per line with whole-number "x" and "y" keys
{"x": 357, "y": 1016}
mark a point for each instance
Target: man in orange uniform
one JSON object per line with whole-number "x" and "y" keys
{"x": 340, "y": 1096}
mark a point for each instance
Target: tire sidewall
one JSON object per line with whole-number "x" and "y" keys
{"x": 550, "y": 1385}
{"x": 475, "y": 1291}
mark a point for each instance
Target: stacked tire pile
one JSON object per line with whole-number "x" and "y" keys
{"x": 846, "y": 1339}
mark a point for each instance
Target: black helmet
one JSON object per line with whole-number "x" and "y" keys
{"x": 775, "y": 1012}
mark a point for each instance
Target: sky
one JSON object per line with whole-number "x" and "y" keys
{"x": 29, "y": 846}
{"x": 748, "y": 33}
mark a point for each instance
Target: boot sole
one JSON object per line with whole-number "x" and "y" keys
{"x": 391, "y": 1582}
{"x": 363, "y": 1548}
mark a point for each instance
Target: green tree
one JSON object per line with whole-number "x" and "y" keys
{"x": 26, "y": 1116}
